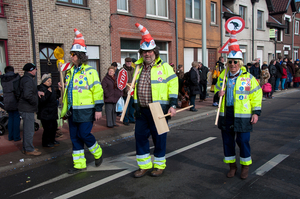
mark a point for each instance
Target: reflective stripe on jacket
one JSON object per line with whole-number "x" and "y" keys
{"x": 164, "y": 85}
{"x": 87, "y": 94}
{"x": 247, "y": 96}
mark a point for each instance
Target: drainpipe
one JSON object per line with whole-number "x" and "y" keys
{"x": 32, "y": 35}
{"x": 221, "y": 23}
{"x": 293, "y": 34}
{"x": 204, "y": 58}
{"x": 32, "y": 31}
{"x": 253, "y": 3}
{"x": 176, "y": 32}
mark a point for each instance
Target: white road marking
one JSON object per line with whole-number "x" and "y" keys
{"x": 270, "y": 164}
{"x": 129, "y": 170}
{"x": 126, "y": 161}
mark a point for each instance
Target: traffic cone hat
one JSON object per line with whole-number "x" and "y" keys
{"x": 234, "y": 47}
{"x": 147, "y": 42}
{"x": 78, "y": 44}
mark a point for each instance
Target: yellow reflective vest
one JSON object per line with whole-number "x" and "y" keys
{"x": 247, "y": 96}
{"x": 164, "y": 85}
{"x": 87, "y": 94}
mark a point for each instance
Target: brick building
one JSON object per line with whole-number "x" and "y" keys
{"x": 53, "y": 25}
{"x": 283, "y": 14}
{"x": 190, "y": 32}
{"x": 158, "y": 16}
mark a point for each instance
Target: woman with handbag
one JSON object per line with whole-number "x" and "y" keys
{"x": 111, "y": 96}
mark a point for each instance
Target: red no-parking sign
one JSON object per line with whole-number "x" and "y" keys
{"x": 122, "y": 79}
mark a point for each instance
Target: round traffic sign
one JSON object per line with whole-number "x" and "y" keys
{"x": 122, "y": 79}
{"x": 235, "y": 23}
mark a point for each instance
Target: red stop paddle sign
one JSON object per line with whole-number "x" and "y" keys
{"x": 122, "y": 79}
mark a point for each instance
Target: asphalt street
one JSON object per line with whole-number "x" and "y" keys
{"x": 194, "y": 164}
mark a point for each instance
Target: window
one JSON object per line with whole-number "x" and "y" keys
{"x": 122, "y": 5}
{"x": 287, "y": 24}
{"x": 74, "y": 2}
{"x": 279, "y": 35}
{"x": 3, "y": 55}
{"x": 295, "y": 53}
{"x": 260, "y": 19}
{"x": 158, "y": 8}
{"x": 1, "y": 9}
{"x": 93, "y": 54}
{"x": 297, "y": 28}
{"x": 213, "y": 18}
{"x": 193, "y": 9}
{"x": 244, "y": 52}
{"x": 130, "y": 48}
{"x": 242, "y": 12}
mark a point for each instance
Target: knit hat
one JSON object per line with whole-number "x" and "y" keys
{"x": 297, "y": 59}
{"x": 78, "y": 44}
{"x": 29, "y": 67}
{"x": 147, "y": 42}
{"x": 234, "y": 47}
{"x": 128, "y": 59}
{"x": 45, "y": 77}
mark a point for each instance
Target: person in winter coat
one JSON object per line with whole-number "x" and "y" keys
{"x": 291, "y": 72}
{"x": 220, "y": 64}
{"x": 28, "y": 105}
{"x": 47, "y": 111}
{"x": 111, "y": 96}
{"x": 264, "y": 77}
{"x": 255, "y": 71}
{"x": 279, "y": 73}
{"x": 296, "y": 79}
{"x": 272, "y": 80}
{"x": 203, "y": 70}
{"x": 11, "y": 103}
{"x": 194, "y": 84}
{"x": 284, "y": 75}
{"x": 129, "y": 115}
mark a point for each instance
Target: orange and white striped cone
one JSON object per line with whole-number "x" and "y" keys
{"x": 78, "y": 44}
{"x": 234, "y": 47}
{"x": 147, "y": 42}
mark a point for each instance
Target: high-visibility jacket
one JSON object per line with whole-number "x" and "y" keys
{"x": 164, "y": 85}
{"x": 247, "y": 96}
{"x": 87, "y": 94}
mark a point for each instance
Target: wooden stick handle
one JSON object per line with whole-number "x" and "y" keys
{"x": 176, "y": 111}
{"x": 62, "y": 91}
{"x": 128, "y": 93}
{"x": 220, "y": 100}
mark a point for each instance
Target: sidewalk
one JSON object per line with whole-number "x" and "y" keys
{"x": 12, "y": 158}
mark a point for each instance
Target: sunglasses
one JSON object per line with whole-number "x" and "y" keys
{"x": 235, "y": 62}
{"x": 72, "y": 54}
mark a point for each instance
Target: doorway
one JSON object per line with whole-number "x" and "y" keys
{"x": 48, "y": 62}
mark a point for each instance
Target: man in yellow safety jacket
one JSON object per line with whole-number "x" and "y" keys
{"x": 83, "y": 101}
{"x": 239, "y": 110}
{"x": 156, "y": 82}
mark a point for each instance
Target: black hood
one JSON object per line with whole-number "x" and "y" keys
{"x": 7, "y": 78}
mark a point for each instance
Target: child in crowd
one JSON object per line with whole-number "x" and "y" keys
{"x": 264, "y": 77}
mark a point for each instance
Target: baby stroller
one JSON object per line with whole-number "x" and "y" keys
{"x": 3, "y": 117}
